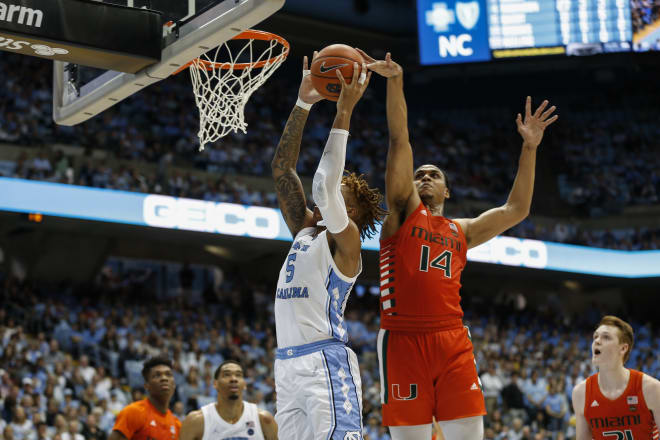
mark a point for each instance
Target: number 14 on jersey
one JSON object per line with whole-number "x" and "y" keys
{"x": 441, "y": 262}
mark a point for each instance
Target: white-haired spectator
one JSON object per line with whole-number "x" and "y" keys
{"x": 73, "y": 433}
{"x": 23, "y": 428}
{"x": 86, "y": 369}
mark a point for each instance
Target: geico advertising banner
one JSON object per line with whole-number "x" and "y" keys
{"x": 153, "y": 210}
{"x": 452, "y": 31}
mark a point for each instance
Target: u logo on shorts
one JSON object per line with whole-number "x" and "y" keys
{"x": 396, "y": 393}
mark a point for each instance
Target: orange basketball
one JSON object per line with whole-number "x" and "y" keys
{"x": 324, "y": 69}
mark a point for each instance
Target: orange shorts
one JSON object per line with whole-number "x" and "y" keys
{"x": 428, "y": 374}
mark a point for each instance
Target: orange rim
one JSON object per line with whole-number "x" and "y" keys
{"x": 249, "y": 34}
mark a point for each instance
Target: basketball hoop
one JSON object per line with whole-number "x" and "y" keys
{"x": 222, "y": 88}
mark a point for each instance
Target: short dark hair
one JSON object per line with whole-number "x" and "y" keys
{"x": 154, "y": 362}
{"x": 228, "y": 361}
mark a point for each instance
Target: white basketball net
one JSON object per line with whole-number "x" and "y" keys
{"x": 222, "y": 90}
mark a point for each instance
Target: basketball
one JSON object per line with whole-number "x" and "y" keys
{"x": 324, "y": 69}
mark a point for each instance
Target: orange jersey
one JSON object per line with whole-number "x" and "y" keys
{"x": 624, "y": 418}
{"x": 142, "y": 421}
{"x": 420, "y": 273}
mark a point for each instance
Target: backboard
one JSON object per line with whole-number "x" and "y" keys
{"x": 195, "y": 27}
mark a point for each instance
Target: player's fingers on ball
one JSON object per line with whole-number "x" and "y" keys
{"x": 356, "y": 72}
{"x": 363, "y": 74}
{"x": 341, "y": 78}
{"x": 363, "y": 82}
{"x": 315, "y": 54}
{"x": 305, "y": 65}
{"x": 365, "y": 55}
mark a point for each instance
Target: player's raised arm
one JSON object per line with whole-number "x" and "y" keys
{"x": 399, "y": 186}
{"x": 497, "y": 220}
{"x": 192, "y": 427}
{"x": 326, "y": 187}
{"x": 581, "y": 425}
{"x": 290, "y": 192}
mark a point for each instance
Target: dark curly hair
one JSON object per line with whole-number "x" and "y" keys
{"x": 369, "y": 200}
{"x": 154, "y": 362}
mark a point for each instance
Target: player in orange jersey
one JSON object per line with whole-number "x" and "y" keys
{"x": 150, "y": 418}
{"x": 616, "y": 403}
{"x": 426, "y": 357}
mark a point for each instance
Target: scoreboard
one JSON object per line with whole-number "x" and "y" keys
{"x": 455, "y": 31}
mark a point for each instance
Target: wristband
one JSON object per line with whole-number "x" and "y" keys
{"x": 302, "y": 104}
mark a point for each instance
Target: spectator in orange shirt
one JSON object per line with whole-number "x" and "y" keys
{"x": 150, "y": 418}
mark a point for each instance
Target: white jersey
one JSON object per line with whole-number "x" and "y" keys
{"x": 311, "y": 293}
{"x": 247, "y": 427}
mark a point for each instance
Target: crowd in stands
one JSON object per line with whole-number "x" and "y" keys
{"x": 645, "y": 14}
{"x": 59, "y": 168}
{"x": 612, "y": 164}
{"x": 606, "y": 159}
{"x": 628, "y": 239}
{"x": 70, "y": 358}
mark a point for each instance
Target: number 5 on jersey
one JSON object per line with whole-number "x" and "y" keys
{"x": 442, "y": 261}
{"x": 290, "y": 268}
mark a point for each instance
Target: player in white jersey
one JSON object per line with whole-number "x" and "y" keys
{"x": 317, "y": 378}
{"x": 230, "y": 418}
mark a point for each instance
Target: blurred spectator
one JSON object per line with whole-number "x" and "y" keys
{"x": 74, "y": 431}
{"x": 492, "y": 386}
{"x": 556, "y": 407}
{"x": 91, "y": 429}
{"x": 22, "y": 426}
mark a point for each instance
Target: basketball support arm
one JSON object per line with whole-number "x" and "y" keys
{"x": 326, "y": 185}
{"x": 195, "y": 37}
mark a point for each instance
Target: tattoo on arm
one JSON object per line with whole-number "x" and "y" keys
{"x": 291, "y": 196}
{"x": 290, "y": 192}
{"x": 286, "y": 154}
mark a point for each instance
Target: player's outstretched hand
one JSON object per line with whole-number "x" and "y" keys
{"x": 386, "y": 68}
{"x": 307, "y": 93}
{"x": 351, "y": 93}
{"x": 532, "y": 127}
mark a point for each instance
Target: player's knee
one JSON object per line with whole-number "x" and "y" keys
{"x": 469, "y": 428}
{"x": 411, "y": 432}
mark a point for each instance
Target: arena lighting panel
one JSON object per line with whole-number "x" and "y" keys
{"x": 27, "y": 196}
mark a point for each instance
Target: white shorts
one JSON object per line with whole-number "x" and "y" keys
{"x": 319, "y": 392}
